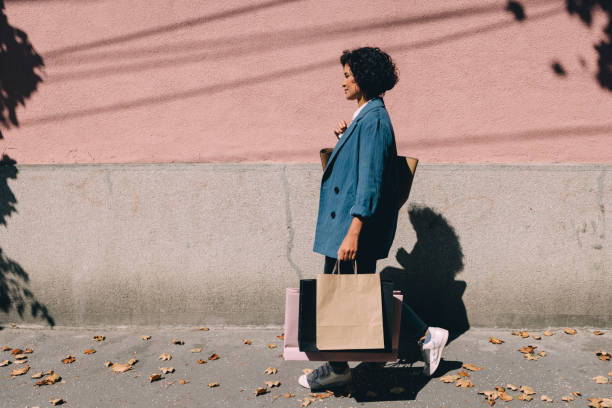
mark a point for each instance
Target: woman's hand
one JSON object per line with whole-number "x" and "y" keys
{"x": 340, "y": 128}
{"x": 348, "y": 248}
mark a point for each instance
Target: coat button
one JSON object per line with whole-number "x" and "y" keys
{"x": 336, "y": 190}
{"x": 333, "y": 214}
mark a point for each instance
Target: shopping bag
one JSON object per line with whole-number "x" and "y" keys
{"x": 307, "y": 320}
{"x": 291, "y": 349}
{"x": 349, "y": 312}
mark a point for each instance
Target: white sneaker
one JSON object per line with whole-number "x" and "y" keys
{"x": 324, "y": 377}
{"x": 432, "y": 350}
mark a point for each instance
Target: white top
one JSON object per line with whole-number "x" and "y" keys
{"x": 355, "y": 115}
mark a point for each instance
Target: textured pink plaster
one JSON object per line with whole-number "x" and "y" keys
{"x": 191, "y": 81}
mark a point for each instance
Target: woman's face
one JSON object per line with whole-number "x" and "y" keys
{"x": 351, "y": 89}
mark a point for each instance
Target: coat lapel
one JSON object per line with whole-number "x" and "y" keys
{"x": 374, "y": 103}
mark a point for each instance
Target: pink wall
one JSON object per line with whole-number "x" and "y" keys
{"x": 191, "y": 81}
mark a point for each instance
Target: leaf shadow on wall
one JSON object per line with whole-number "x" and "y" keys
{"x": 19, "y": 65}
{"x": 427, "y": 278}
{"x": 14, "y": 280}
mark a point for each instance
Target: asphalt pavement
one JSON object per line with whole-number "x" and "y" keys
{"x": 568, "y": 365}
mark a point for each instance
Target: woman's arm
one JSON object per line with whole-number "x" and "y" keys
{"x": 348, "y": 248}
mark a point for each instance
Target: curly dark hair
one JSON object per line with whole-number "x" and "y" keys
{"x": 372, "y": 68}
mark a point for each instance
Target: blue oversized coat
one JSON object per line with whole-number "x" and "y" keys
{"x": 360, "y": 180}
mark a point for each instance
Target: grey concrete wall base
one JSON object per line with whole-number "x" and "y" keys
{"x": 190, "y": 244}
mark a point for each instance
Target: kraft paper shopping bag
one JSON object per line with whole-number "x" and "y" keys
{"x": 349, "y": 312}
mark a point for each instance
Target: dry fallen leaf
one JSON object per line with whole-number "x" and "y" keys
{"x": 471, "y": 367}
{"x": 165, "y": 356}
{"x": 547, "y": 333}
{"x": 48, "y": 380}
{"x": 16, "y": 351}
{"x": 600, "y": 379}
{"x": 307, "y": 371}
{"x": 570, "y": 331}
{"x": 515, "y": 333}
{"x": 505, "y": 397}
{"x": 213, "y": 384}
{"x": 57, "y": 401}
{"x": 20, "y": 357}
{"x": 214, "y": 357}
{"x": 166, "y": 370}
{"x": 121, "y": 368}
{"x": 464, "y": 383}
{"x": 21, "y": 371}
{"x": 108, "y": 364}
{"x": 28, "y": 351}
{"x": 196, "y": 350}
{"x": 463, "y": 374}
{"x": 89, "y": 351}
{"x": 527, "y": 390}
{"x": 204, "y": 329}
{"x": 524, "y": 334}
{"x": 397, "y": 390}
{"x": 145, "y": 337}
{"x": 512, "y": 387}
{"x": 37, "y": 375}
{"x": 546, "y": 398}
{"x": 281, "y": 337}
{"x": 610, "y": 373}
{"x": 273, "y": 384}
{"x": 289, "y": 395}
{"x": 20, "y": 361}
{"x": 495, "y": 340}
{"x": 530, "y": 356}
{"x": 528, "y": 349}
{"x": 132, "y": 361}
{"x": 260, "y": 391}
{"x": 201, "y": 361}
{"x": 451, "y": 378}
{"x": 69, "y": 359}
{"x": 542, "y": 354}
{"x": 525, "y": 397}
{"x": 5, "y": 363}
{"x": 603, "y": 355}
{"x": 99, "y": 338}
{"x": 271, "y": 346}
{"x": 249, "y": 342}
{"x": 6, "y": 348}
{"x": 598, "y": 333}
{"x": 306, "y": 402}
{"x": 537, "y": 337}
{"x": 179, "y": 342}
{"x": 567, "y": 398}
{"x": 270, "y": 370}
{"x": 183, "y": 381}
{"x": 155, "y": 377}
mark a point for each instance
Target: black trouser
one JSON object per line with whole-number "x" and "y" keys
{"x": 410, "y": 320}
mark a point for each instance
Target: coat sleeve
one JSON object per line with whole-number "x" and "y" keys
{"x": 374, "y": 141}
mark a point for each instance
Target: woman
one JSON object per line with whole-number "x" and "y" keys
{"x": 357, "y": 205}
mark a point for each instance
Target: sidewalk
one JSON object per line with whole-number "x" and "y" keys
{"x": 569, "y": 365}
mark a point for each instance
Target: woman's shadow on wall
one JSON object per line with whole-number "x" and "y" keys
{"x": 427, "y": 280}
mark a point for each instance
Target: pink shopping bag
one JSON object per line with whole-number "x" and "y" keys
{"x": 291, "y": 348}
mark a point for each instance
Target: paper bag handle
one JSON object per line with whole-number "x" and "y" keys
{"x": 337, "y": 267}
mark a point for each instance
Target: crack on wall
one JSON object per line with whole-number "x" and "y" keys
{"x": 289, "y": 221}
{"x": 600, "y": 199}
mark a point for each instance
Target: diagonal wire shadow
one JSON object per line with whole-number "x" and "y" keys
{"x": 167, "y": 28}
{"x": 276, "y": 44}
{"x": 289, "y": 72}
{"x": 282, "y": 37}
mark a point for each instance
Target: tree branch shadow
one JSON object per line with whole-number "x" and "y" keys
{"x": 15, "y": 294}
